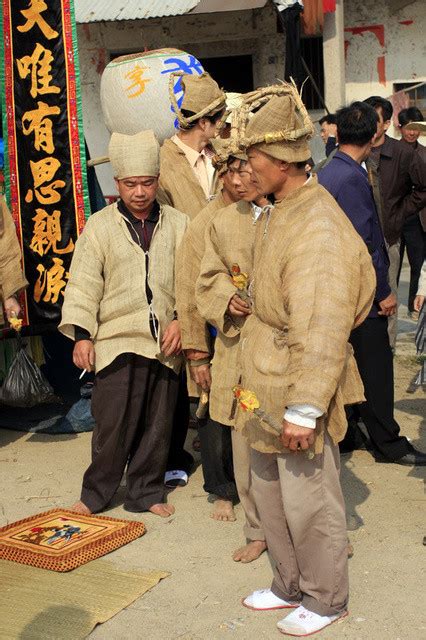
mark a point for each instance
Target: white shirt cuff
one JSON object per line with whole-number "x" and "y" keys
{"x": 304, "y": 415}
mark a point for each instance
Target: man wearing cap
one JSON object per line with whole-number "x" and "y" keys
{"x": 187, "y": 176}
{"x": 119, "y": 307}
{"x": 313, "y": 282}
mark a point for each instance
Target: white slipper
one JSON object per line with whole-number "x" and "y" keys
{"x": 265, "y": 600}
{"x": 302, "y": 622}
{"x": 177, "y": 478}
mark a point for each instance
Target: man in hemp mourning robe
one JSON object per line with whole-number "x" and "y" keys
{"x": 188, "y": 181}
{"x": 12, "y": 279}
{"x": 119, "y": 307}
{"x": 313, "y": 283}
{"x": 226, "y": 474}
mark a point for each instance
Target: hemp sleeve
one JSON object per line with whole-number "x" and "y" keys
{"x": 85, "y": 287}
{"x": 214, "y": 288}
{"x": 12, "y": 280}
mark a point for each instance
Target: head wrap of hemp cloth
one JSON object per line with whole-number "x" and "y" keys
{"x": 137, "y": 155}
{"x": 202, "y": 97}
{"x": 281, "y": 127}
{"x": 233, "y": 101}
{"x": 223, "y": 151}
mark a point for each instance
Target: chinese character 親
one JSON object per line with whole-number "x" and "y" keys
{"x": 47, "y": 233}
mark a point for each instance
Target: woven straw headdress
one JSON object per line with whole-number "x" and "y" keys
{"x": 202, "y": 97}
{"x": 280, "y": 128}
{"x": 223, "y": 150}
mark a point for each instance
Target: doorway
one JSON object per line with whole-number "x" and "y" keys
{"x": 233, "y": 73}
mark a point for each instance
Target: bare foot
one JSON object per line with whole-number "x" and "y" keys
{"x": 350, "y": 550}
{"x": 223, "y": 511}
{"x": 251, "y": 551}
{"x": 80, "y": 507}
{"x": 164, "y": 510}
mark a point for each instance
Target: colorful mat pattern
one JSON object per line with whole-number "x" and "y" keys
{"x": 61, "y": 540}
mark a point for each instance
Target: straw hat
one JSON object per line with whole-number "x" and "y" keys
{"x": 281, "y": 127}
{"x": 223, "y": 150}
{"x": 202, "y": 97}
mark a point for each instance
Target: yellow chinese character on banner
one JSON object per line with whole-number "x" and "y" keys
{"x": 33, "y": 16}
{"x": 39, "y": 65}
{"x": 43, "y": 171}
{"x": 50, "y": 282}
{"x": 39, "y": 122}
{"x": 47, "y": 233}
{"x": 138, "y": 81}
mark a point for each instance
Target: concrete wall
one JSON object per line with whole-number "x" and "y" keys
{"x": 207, "y": 35}
{"x": 383, "y": 48}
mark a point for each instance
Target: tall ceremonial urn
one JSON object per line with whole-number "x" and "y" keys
{"x": 45, "y": 164}
{"x": 135, "y": 91}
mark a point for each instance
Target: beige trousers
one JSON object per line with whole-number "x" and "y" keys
{"x": 301, "y": 507}
{"x": 394, "y": 259}
{"x": 241, "y": 458}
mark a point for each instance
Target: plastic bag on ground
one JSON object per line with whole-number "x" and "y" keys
{"x": 25, "y": 385}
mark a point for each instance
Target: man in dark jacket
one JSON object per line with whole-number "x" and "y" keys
{"x": 401, "y": 188}
{"x": 413, "y": 237}
{"x": 347, "y": 181}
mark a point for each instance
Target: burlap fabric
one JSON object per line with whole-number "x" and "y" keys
{"x": 202, "y": 97}
{"x": 281, "y": 127}
{"x": 12, "y": 278}
{"x": 313, "y": 283}
{"x": 106, "y": 291}
{"x": 179, "y": 186}
{"x": 193, "y": 327}
{"x": 228, "y": 241}
{"x": 136, "y": 155}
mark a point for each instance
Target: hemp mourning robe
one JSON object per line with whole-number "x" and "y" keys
{"x": 12, "y": 280}
{"x": 229, "y": 240}
{"x": 107, "y": 290}
{"x": 313, "y": 283}
{"x": 179, "y": 186}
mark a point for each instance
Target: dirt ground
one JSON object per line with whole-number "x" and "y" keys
{"x": 201, "y": 598}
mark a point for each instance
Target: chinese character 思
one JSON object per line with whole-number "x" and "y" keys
{"x": 47, "y": 233}
{"x": 50, "y": 282}
{"x": 34, "y": 17}
{"x": 138, "y": 81}
{"x": 39, "y": 65}
{"x": 43, "y": 171}
{"x": 39, "y": 123}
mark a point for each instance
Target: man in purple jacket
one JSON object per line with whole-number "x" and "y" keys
{"x": 347, "y": 181}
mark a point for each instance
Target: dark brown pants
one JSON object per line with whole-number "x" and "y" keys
{"x": 133, "y": 403}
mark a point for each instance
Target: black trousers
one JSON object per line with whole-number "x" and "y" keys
{"x": 179, "y": 458}
{"x": 216, "y": 459}
{"x": 413, "y": 238}
{"x": 374, "y": 358}
{"x": 133, "y": 402}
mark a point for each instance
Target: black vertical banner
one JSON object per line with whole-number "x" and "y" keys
{"x": 45, "y": 157}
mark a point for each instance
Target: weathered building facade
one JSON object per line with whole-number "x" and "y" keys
{"x": 368, "y": 47}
